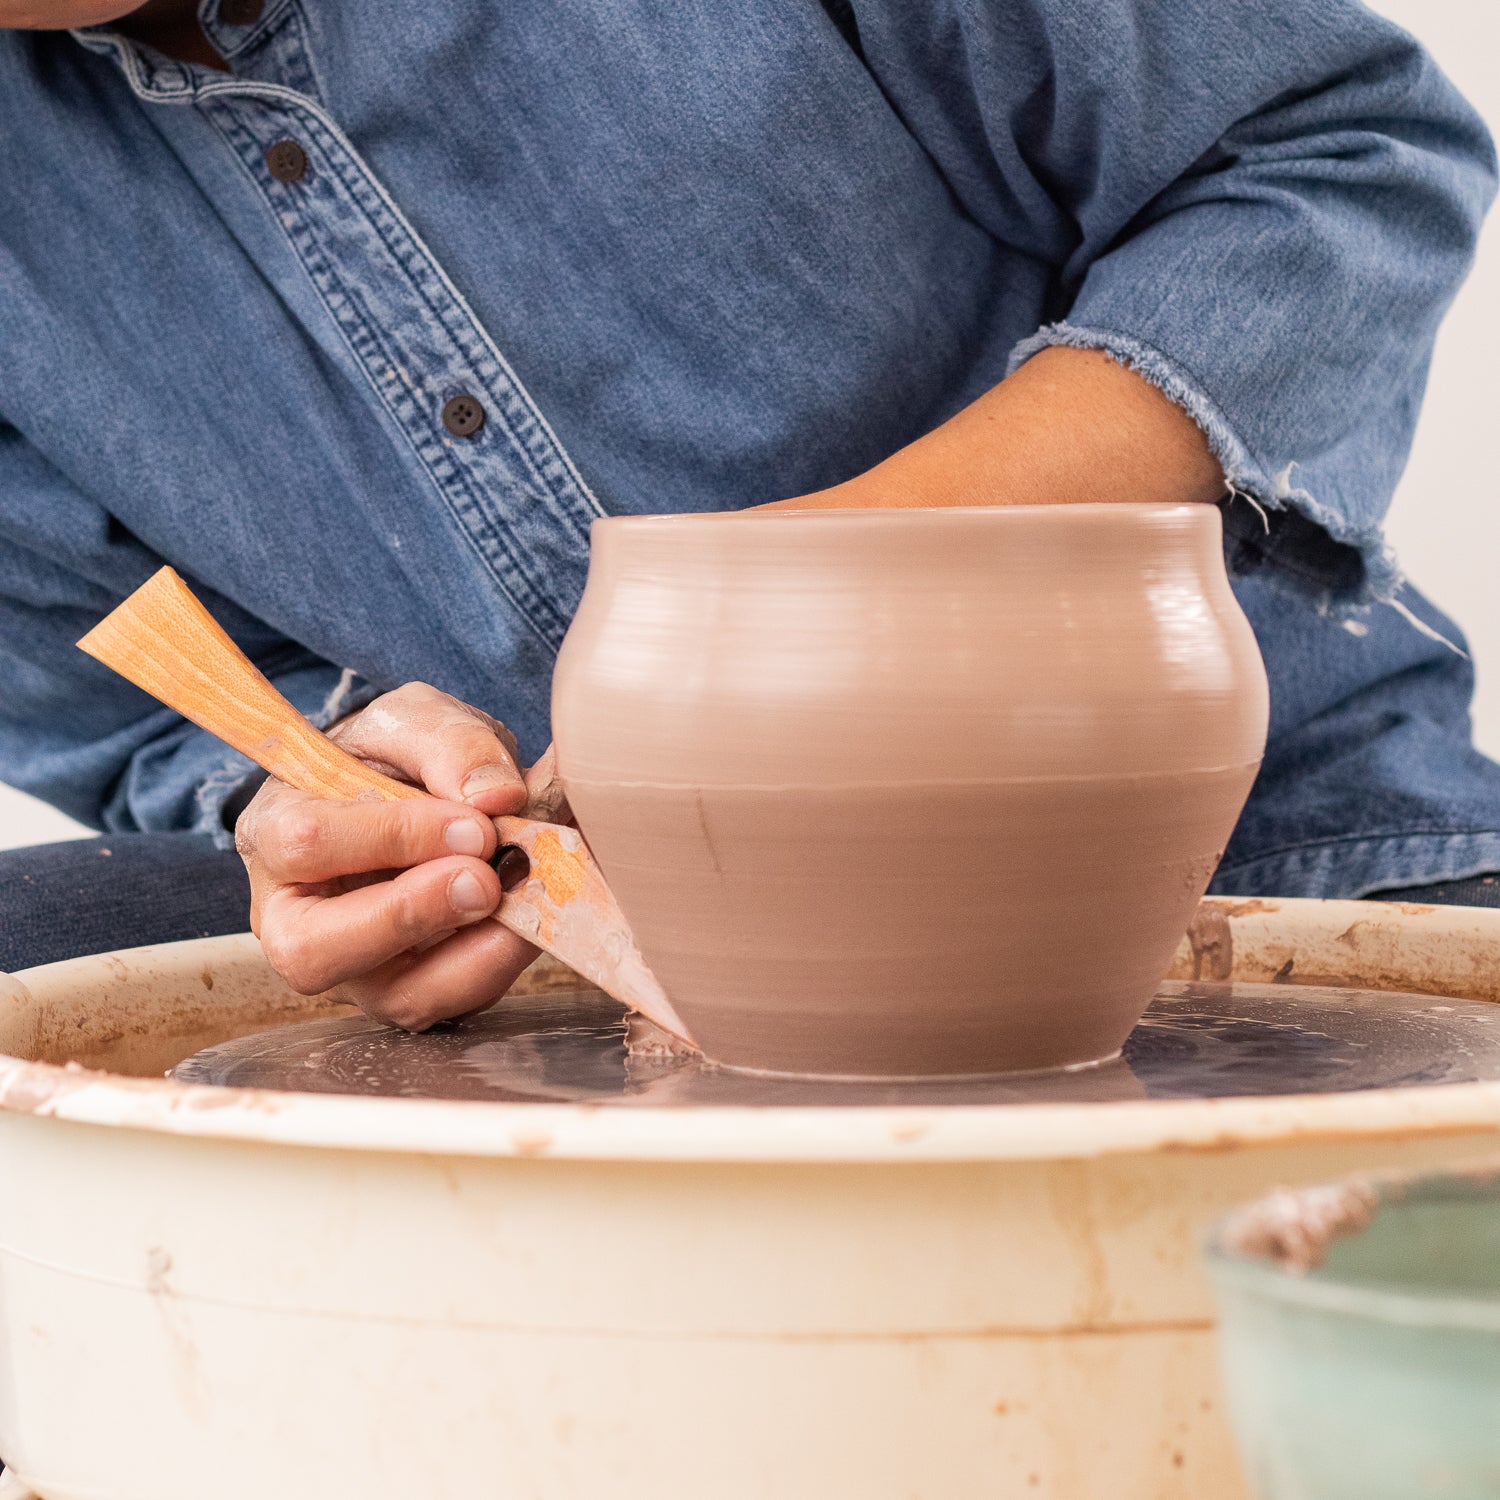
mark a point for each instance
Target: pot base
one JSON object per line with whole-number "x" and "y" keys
{"x": 949, "y": 929}
{"x": 996, "y": 1076}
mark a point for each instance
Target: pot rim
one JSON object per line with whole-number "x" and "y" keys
{"x": 1141, "y": 511}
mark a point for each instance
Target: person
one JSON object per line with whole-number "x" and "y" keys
{"x": 359, "y": 314}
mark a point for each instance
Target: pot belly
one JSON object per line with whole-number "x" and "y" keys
{"x": 899, "y": 930}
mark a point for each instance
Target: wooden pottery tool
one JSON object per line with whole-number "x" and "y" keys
{"x": 164, "y": 641}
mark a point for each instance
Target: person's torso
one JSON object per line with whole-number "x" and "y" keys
{"x": 681, "y": 259}
{"x": 677, "y": 258}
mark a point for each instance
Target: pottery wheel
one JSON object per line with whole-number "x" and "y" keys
{"x": 1197, "y": 1041}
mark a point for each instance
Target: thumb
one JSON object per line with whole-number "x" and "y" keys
{"x": 453, "y": 750}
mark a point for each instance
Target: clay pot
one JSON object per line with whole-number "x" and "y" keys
{"x": 910, "y": 792}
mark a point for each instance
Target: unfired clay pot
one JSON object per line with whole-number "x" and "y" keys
{"x": 910, "y": 792}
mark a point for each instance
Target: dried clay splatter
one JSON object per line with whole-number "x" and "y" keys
{"x": 1295, "y": 1229}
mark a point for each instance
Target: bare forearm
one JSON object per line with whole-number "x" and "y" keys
{"x": 1071, "y": 425}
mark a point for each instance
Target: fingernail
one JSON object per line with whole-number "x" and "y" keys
{"x": 487, "y": 779}
{"x": 466, "y": 894}
{"x": 465, "y": 836}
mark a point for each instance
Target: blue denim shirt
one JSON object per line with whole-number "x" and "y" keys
{"x": 697, "y": 257}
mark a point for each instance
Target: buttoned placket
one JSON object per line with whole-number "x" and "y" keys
{"x": 433, "y": 368}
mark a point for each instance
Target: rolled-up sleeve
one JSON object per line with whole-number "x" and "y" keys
{"x": 1262, "y": 206}
{"x": 71, "y": 731}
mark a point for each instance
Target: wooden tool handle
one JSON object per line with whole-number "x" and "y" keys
{"x": 163, "y": 640}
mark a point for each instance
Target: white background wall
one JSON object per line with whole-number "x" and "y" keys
{"x": 1446, "y": 520}
{"x": 1445, "y": 523}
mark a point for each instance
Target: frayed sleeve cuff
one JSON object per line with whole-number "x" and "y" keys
{"x": 1270, "y": 523}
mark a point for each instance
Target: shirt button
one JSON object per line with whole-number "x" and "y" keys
{"x": 463, "y": 416}
{"x": 240, "y": 12}
{"x": 287, "y": 161}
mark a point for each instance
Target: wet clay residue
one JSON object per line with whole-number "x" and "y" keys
{"x": 645, "y": 1039}
{"x": 1294, "y": 1229}
{"x": 1212, "y": 942}
{"x": 1254, "y": 908}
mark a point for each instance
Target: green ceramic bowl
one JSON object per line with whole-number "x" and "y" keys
{"x": 1361, "y": 1338}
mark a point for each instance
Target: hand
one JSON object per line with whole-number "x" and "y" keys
{"x": 385, "y": 902}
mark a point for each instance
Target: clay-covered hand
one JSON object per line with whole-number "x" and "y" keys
{"x": 385, "y": 902}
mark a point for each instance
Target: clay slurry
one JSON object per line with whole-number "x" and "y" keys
{"x": 1197, "y": 1041}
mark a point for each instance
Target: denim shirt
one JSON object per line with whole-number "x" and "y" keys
{"x": 688, "y": 257}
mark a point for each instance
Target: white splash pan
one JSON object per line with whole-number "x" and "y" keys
{"x": 211, "y": 1294}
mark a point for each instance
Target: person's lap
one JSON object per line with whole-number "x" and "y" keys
{"x": 1477, "y": 890}
{"x": 92, "y": 895}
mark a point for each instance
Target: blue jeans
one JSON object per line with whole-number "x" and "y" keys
{"x": 91, "y": 895}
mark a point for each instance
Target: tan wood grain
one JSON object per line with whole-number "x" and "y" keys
{"x": 164, "y": 641}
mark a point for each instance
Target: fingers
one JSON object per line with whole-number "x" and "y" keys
{"x": 467, "y": 973}
{"x": 546, "y": 798}
{"x": 291, "y": 838}
{"x": 453, "y": 750}
{"x": 317, "y": 942}
{"x": 385, "y": 902}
